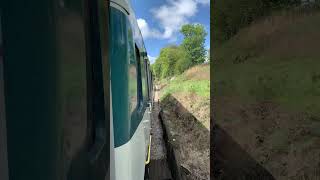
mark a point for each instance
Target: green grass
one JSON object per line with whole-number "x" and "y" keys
{"x": 293, "y": 83}
{"x": 187, "y": 85}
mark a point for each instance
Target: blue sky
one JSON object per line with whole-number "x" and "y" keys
{"x": 161, "y": 20}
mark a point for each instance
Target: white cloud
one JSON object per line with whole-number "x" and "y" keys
{"x": 145, "y": 29}
{"x": 171, "y": 17}
{"x": 152, "y": 59}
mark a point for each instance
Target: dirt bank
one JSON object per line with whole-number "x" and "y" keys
{"x": 287, "y": 144}
{"x": 190, "y": 137}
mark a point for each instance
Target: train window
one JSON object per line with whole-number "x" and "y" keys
{"x": 147, "y": 76}
{"x": 133, "y": 75}
{"x": 140, "y": 95}
{"x": 143, "y": 79}
{"x": 146, "y": 79}
{"x": 133, "y": 93}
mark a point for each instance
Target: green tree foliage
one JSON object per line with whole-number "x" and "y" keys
{"x": 193, "y": 42}
{"x": 170, "y": 57}
{"x": 182, "y": 63}
{"x": 175, "y": 60}
{"x": 156, "y": 69}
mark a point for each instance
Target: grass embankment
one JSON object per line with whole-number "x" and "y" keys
{"x": 185, "y": 101}
{"x": 192, "y": 90}
{"x": 277, "y": 59}
{"x": 267, "y": 92}
{"x": 195, "y": 80}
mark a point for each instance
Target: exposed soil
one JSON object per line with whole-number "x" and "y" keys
{"x": 159, "y": 168}
{"x": 286, "y": 144}
{"x": 198, "y": 106}
{"x": 190, "y": 137}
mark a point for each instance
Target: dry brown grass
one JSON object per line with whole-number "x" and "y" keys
{"x": 200, "y": 72}
{"x": 282, "y": 35}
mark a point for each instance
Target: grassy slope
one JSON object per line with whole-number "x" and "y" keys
{"x": 195, "y": 80}
{"x": 267, "y": 91}
{"x": 185, "y": 101}
{"x": 192, "y": 89}
{"x": 276, "y": 60}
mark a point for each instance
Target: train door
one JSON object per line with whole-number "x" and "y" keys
{"x": 147, "y": 114}
{"x": 127, "y": 96}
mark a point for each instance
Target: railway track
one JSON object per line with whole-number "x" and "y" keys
{"x": 158, "y": 167}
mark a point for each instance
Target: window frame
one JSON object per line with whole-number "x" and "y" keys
{"x": 147, "y": 77}
{"x": 139, "y": 77}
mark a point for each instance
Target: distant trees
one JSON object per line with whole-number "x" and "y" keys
{"x": 172, "y": 60}
{"x": 176, "y": 59}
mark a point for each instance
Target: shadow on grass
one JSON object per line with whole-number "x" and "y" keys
{"x": 230, "y": 161}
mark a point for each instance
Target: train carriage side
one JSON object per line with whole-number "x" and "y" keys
{"x": 130, "y": 87}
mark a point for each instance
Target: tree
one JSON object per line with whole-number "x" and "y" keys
{"x": 165, "y": 64}
{"x": 193, "y": 43}
{"x": 156, "y": 68}
{"x": 182, "y": 64}
{"x": 175, "y": 60}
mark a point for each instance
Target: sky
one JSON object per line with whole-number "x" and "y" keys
{"x": 161, "y": 20}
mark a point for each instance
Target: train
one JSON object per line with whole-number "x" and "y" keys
{"x": 131, "y": 83}
{"x": 76, "y": 91}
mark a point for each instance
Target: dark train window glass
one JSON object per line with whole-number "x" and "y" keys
{"x": 139, "y": 84}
